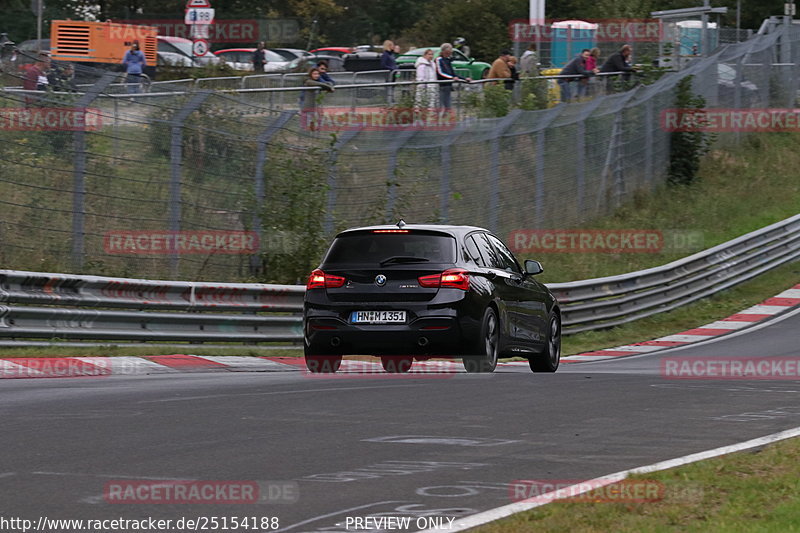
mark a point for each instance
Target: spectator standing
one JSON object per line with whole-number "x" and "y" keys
{"x": 512, "y": 68}
{"x": 36, "y": 77}
{"x": 575, "y": 68}
{"x": 500, "y": 68}
{"x": 134, "y": 63}
{"x": 585, "y": 84}
{"x": 259, "y": 57}
{"x": 529, "y": 62}
{"x": 445, "y": 71}
{"x": 426, "y": 72}
{"x": 323, "y": 73}
{"x": 308, "y": 99}
{"x": 388, "y": 60}
{"x": 620, "y": 61}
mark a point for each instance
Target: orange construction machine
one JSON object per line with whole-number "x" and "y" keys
{"x": 100, "y": 42}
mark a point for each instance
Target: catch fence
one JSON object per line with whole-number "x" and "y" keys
{"x": 195, "y": 160}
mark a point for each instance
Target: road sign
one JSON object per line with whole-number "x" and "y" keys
{"x": 199, "y": 15}
{"x": 789, "y": 9}
{"x": 200, "y": 48}
{"x": 197, "y": 3}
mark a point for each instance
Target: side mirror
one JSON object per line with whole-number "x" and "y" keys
{"x": 471, "y": 60}
{"x": 533, "y": 267}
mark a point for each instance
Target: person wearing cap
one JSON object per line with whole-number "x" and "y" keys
{"x": 324, "y": 77}
{"x": 134, "y": 63}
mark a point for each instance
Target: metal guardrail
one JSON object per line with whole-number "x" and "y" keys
{"x": 37, "y": 305}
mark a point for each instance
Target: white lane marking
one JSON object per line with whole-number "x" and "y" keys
{"x": 711, "y": 339}
{"x": 588, "y": 357}
{"x": 764, "y": 310}
{"x": 14, "y": 370}
{"x": 127, "y": 365}
{"x": 7, "y": 474}
{"x": 431, "y": 439}
{"x": 789, "y": 293}
{"x": 247, "y": 362}
{"x": 727, "y": 324}
{"x": 683, "y": 338}
{"x": 514, "y": 508}
{"x": 631, "y": 348}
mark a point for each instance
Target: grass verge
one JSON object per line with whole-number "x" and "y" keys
{"x": 757, "y": 490}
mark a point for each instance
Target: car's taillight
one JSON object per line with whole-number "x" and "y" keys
{"x": 454, "y": 278}
{"x": 320, "y": 280}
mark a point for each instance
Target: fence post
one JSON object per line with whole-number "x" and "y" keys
{"x": 333, "y": 160}
{"x": 391, "y": 172}
{"x": 176, "y": 167}
{"x": 79, "y": 172}
{"x": 648, "y": 141}
{"x": 539, "y": 174}
{"x": 261, "y": 158}
{"x": 444, "y": 178}
{"x": 494, "y": 167}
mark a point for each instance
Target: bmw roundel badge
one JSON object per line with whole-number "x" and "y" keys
{"x": 380, "y": 280}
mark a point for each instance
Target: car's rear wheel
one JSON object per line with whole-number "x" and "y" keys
{"x": 490, "y": 345}
{"x": 397, "y": 364}
{"x": 323, "y": 364}
{"x": 550, "y": 357}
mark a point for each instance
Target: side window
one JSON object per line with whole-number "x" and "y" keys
{"x": 459, "y": 56}
{"x": 506, "y": 257}
{"x": 472, "y": 250}
{"x": 490, "y": 256}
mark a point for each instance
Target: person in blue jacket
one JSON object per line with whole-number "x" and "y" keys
{"x": 134, "y": 63}
{"x": 445, "y": 71}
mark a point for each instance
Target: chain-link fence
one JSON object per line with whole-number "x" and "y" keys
{"x": 97, "y": 182}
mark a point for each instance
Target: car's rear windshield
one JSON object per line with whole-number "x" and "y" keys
{"x": 373, "y": 248}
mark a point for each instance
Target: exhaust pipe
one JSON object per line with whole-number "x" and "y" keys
{"x": 336, "y": 341}
{"x": 423, "y": 341}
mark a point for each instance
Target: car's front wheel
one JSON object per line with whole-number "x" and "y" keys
{"x": 550, "y": 357}
{"x": 490, "y": 345}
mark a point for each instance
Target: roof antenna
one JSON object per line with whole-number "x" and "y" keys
{"x": 401, "y": 223}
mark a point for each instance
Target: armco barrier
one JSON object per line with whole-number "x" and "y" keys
{"x": 61, "y": 306}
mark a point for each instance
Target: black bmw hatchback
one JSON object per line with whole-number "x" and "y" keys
{"x": 407, "y": 292}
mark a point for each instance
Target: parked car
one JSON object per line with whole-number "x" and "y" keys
{"x": 408, "y": 292}
{"x": 291, "y": 54}
{"x": 242, "y": 59}
{"x": 177, "y": 52}
{"x": 339, "y": 51}
{"x": 477, "y": 69}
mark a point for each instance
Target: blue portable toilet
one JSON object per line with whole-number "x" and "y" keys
{"x": 569, "y": 37}
{"x": 690, "y": 37}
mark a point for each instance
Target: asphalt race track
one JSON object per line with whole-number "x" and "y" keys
{"x": 371, "y": 445}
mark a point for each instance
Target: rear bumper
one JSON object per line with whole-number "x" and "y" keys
{"x": 438, "y": 331}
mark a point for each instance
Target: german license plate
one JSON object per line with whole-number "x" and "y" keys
{"x": 378, "y": 317}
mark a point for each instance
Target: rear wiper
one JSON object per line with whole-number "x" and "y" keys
{"x": 403, "y": 259}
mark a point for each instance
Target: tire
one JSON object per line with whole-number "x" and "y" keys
{"x": 323, "y": 364}
{"x": 397, "y": 364}
{"x": 550, "y": 357}
{"x": 490, "y": 345}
